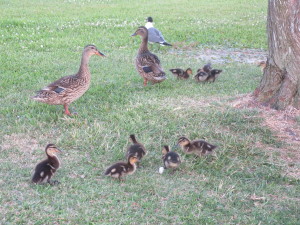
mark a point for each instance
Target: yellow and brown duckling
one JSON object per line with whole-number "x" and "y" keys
{"x": 136, "y": 149}
{"x": 207, "y": 74}
{"x": 170, "y": 159}
{"x": 120, "y": 169}
{"x": 69, "y": 88}
{"x": 206, "y": 68}
{"x": 146, "y": 63}
{"x": 197, "y": 147}
{"x": 45, "y": 170}
{"x": 262, "y": 65}
{"x": 182, "y": 74}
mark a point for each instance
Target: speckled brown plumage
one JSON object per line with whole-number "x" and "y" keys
{"x": 45, "y": 170}
{"x": 69, "y": 88}
{"x": 148, "y": 64}
{"x": 182, "y": 74}
{"x": 197, "y": 147}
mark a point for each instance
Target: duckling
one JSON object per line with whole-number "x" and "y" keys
{"x": 197, "y": 147}
{"x": 67, "y": 89}
{"x": 201, "y": 76}
{"x": 170, "y": 159}
{"x": 46, "y": 169}
{"x": 136, "y": 149}
{"x": 206, "y": 68}
{"x": 181, "y": 74}
{"x": 213, "y": 75}
{"x": 154, "y": 35}
{"x": 147, "y": 63}
{"x": 121, "y": 169}
{"x": 262, "y": 65}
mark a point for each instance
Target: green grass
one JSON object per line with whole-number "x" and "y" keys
{"x": 41, "y": 41}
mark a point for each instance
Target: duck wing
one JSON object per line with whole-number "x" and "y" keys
{"x": 150, "y": 65}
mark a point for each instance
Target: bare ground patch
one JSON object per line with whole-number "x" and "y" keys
{"x": 284, "y": 126}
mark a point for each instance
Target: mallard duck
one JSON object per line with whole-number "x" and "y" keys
{"x": 45, "y": 170}
{"x": 181, "y": 74}
{"x": 197, "y": 147}
{"x": 201, "y": 76}
{"x": 170, "y": 159}
{"x": 69, "y": 88}
{"x": 154, "y": 35}
{"x": 147, "y": 64}
{"x": 121, "y": 169}
{"x": 206, "y": 68}
{"x": 213, "y": 75}
{"x": 262, "y": 65}
{"x": 136, "y": 149}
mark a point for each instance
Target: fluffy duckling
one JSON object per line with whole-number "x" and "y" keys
{"x": 121, "y": 169}
{"x": 213, "y": 75}
{"x": 45, "y": 170}
{"x": 148, "y": 64}
{"x": 262, "y": 65}
{"x": 201, "y": 76}
{"x": 170, "y": 159}
{"x": 206, "y": 68}
{"x": 181, "y": 74}
{"x": 67, "y": 89}
{"x": 136, "y": 149}
{"x": 197, "y": 147}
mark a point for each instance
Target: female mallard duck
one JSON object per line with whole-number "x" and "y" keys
{"x": 136, "y": 149}
{"x": 121, "y": 169}
{"x": 46, "y": 169}
{"x": 197, "y": 147}
{"x": 69, "y": 88}
{"x": 170, "y": 159}
{"x": 181, "y": 74}
{"x": 147, "y": 64}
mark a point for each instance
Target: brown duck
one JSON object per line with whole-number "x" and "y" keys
{"x": 181, "y": 74}
{"x": 121, "y": 169}
{"x": 69, "y": 88}
{"x": 45, "y": 170}
{"x": 197, "y": 147}
{"x": 136, "y": 149}
{"x": 147, "y": 64}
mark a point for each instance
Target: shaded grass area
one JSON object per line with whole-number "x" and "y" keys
{"x": 42, "y": 41}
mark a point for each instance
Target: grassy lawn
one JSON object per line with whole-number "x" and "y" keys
{"x": 40, "y": 41}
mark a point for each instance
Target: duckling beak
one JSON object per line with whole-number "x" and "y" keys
{"x": 134, "y": 34}
{"x": 100, "y": 54}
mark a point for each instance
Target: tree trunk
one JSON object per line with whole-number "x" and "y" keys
{"x": 280, "y": 85}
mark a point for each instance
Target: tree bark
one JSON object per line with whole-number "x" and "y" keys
{"x": 280, "y": 85}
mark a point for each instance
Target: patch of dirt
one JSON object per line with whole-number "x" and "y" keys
{"x": 224, "y": 55}
{"x": 284, "y": 126}
{"x": 20, "y": 148}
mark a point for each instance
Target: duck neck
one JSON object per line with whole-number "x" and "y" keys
{"x": 84, "y": 68}
{"x": 54, "y": 161}
{"x": 144, "y": 45}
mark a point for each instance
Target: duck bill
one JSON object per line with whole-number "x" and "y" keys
{"x": 100, "y": 54}
{"x": 134, "y": 34}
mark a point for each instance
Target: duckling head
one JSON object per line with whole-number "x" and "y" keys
{"x": 142, "y": 31}
{"x": 149, "y": 19}
{"x": 189, "y": 71}
{"x": 165, "y": 150}
{"x": 52, "y": 150}
{"x": 92, "y": 50}
{"x": 183, "y": 141}
{"x": 133, "y": 160}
